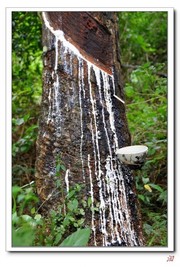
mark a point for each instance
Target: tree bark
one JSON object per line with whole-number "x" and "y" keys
{"x": 83, "y": 122}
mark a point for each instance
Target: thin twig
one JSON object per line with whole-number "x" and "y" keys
{"x": 145, "y": 101}
{"x": 119, "y": 99}
{"x": 32, "y": 182}
{"x": 48, "y": 197}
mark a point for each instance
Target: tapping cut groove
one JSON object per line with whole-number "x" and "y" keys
{"x": 89, "y": 36}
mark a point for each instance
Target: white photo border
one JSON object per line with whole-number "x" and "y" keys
{"x": 170, "y": 146}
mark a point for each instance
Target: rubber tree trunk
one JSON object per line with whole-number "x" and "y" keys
{"x": 83, "y": 122}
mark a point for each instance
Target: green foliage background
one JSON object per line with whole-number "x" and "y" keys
{"x": 26, "y": 92}
{"x": 143, "y": 43}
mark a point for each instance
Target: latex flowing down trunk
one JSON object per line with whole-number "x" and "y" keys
{"x": 83, "y": 122}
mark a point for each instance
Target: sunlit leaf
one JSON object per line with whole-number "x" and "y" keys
{"x": 19, "y": 121}
{"x": 78, "y": 239}
{"x": 148, "y": 188}
{"x": 38, "y": 217}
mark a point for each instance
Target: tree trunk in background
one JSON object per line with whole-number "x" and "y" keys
{"x": 83, "y": 122}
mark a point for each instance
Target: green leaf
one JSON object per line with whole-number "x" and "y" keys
{"x": 81, "y": 221}
{"x": 58, "y": 183}
{"x": 84, "y": 203}
{"x": 71, "y": 194}
{"x": 19, "y": 121}
{"x": 53, "y": 213}
{"x": 94, "y": 209}
{"x": 72, "y": 205}
{"x": 76, "y": 224}
{"x": 33, "y": 210}
{"x": 58, "y": 238}
{"x": 157, "y": 187}
{"x": 15, "y": 218}
{"x": 78, "y": 239}
{"x": 16, "y": 190}
{"x": 141, "y": 197}
{"x": 23, "y": 236}
{"x": 58, "y": 167}
{"x": 81, "y": 211}
{"x": 89, "y": 202}
{"x": 38, "y": 217}
{"x": 26, "y": 218}
{"x": 163, "y": 197}
{"x": 148, "y": 228}
{"x": 31, "y": 128}
{"x": 145, "y": 180}
{"x": 63, "y": 168}
{"x": 72, "y": 219}
{"x": 78, "y": 187}
{"x": 20, "y": 198}
{"x": 26, "y": 117}
{"x": 66, "y": 221}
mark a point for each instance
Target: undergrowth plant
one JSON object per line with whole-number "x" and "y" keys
{"x": 64, "y": 226}
{"x": 146, "y": 94}
{"x": 26, "y": 93}
{"x": 144, "y": 61}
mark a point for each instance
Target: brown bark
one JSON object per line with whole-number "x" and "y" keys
{"x": 83, "y": 123}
